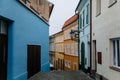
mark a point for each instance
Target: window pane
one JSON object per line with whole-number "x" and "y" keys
{"x": 114, "y": 56}
{"x": 83, "y": 17}
{"x": 87, "y": 15}
{"x": 118, "y": 52}
{"x": 80, "y": 21}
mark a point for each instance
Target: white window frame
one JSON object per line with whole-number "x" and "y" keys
{"x": 115, "y": 53}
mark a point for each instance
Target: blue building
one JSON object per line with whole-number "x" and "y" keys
{"x": 24, "y": 38}
{"x": 83, "y": 10}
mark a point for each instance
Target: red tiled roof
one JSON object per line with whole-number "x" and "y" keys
{"x": 70, "y": 20}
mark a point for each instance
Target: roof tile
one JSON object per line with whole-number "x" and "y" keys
{"x": 70, "y": 20}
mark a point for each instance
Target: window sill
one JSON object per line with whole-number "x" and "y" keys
{"x": 112, "y": 4}
{"x": 115, "y": 68}
{"x": 98, "y": 14}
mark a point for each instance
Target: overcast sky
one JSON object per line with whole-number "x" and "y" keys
{"x": 63, "y": 10}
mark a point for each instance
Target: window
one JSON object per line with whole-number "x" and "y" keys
{"x": 76, "y": 49}
{"x": 66, "y": 62}
{"x": 72, "y": 49}
{"x": 112, "y": 2}
{"x": 83, "y": 18}
{"x": 68, "y": 48}
{"x": 65, "y": 48}
{"x": 69, "y": 64}
{"x": 116, "y": 52}
{"x": 87, "y": 15}
{"x": 98, "y": 7}
{"x": 80, "y": 21}
{"x": 38, "y": 2}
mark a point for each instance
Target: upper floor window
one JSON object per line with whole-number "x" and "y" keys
{"x": 67, "y": 34}
{"x": 39, "y": 2}
{"x": 87, "y": 14}
{"x": 83, "y": 18}
{"x": 112, "y": 2}
{"x": 80, "y": 20}
{"x": 98, "y": 7}
{"x": 116, "y": 52}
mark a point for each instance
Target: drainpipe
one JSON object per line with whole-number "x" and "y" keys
{"x": 90, "y": 36}
{"x": 77, "y": 13}
{"x": 78, "y": 44}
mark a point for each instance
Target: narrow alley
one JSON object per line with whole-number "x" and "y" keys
{"x": 61, "y": 75}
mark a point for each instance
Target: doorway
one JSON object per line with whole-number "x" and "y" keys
{"x": 3, "y": 50}
{"x": 83, "y": 56}
{"x": 34, "y": 54}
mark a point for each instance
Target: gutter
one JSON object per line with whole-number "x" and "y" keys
{"x": 90, "y": 36}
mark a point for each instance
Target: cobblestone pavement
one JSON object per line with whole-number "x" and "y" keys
{"x": 61, "y": 75}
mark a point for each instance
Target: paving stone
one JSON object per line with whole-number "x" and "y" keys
{"x": 61, "y": 75}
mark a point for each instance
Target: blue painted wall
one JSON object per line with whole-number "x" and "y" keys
{"x": 25, "y": 29}
{"x": 85, "y": 35}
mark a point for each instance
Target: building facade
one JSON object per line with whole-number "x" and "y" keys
{"x": 59, "y": 51}
{"x": 52, "y": 50}
{"x": 106, "y": 39}
{"x": 70, "y": 45}
{"x": 83, "y": 10}
{"x": 24, "y": 50}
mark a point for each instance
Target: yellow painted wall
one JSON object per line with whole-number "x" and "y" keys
{"x": 59, "y": 61}
{"x": 73, "y": 60}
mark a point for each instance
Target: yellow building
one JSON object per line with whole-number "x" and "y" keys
{"x": 59, "y": 51}
{"x": 70, "y": 45}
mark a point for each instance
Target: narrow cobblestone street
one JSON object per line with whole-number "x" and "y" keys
{"x": 61, "y": 75}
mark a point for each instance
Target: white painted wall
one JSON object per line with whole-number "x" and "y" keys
{"x": 104, "y": 27}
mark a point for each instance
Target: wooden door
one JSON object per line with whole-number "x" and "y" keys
{"x": 3, "y": 57}
{"x": 34, "y": 52}
{"x": 83, "y": 56}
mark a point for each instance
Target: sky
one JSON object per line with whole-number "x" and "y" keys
{"x": 62, "y": 11}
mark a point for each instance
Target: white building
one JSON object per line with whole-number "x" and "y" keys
{"x": 106, "y": 39}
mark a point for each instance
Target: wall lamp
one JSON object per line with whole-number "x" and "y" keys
{"x": 75, "y": 33}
